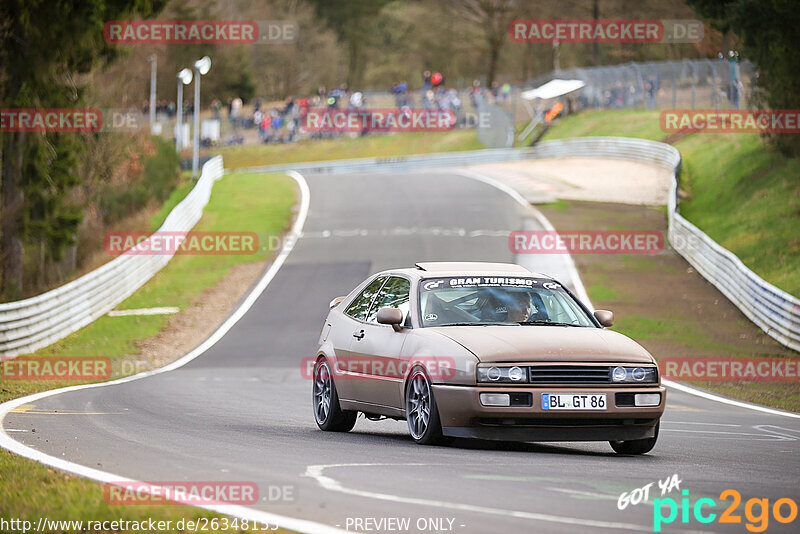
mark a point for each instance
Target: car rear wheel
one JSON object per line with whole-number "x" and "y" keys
{"x": 635, "y": 446}
{"x": 422, "y": 414}
{"x": 327, "y": 412}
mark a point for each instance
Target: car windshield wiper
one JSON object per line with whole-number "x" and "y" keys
{"x": 478, "y": 323}
{"x": 547, "y": 323}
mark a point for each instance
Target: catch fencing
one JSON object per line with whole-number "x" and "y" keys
{"x": 30, "y": 324}
{"x": 688, "y": 83}
{"x": 685, "y": 84}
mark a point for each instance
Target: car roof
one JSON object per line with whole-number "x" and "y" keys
{"x": 465, "y": 268}
{"x": 472, "y": 266}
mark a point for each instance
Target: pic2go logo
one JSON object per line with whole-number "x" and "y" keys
{"x": 758, "y": 520}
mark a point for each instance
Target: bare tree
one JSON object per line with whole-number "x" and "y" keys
{"x": 492, "y": 18}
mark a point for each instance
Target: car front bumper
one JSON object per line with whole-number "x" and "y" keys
{"x": 463, "y": 415}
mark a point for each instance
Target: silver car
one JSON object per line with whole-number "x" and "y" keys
{"x": 483, "y": 350}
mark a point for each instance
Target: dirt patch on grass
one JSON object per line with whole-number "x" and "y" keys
{"x": 594, "y": 179}
{"x": 665, "y": 305}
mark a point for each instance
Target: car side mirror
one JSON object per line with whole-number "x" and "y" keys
{"x": 335, "y": 302}
{"x": 604, "y": 317}
{"x": 392, "y": 316}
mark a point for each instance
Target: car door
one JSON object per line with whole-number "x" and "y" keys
{"x": 377, "y": 348}
{"x": 344, "y": 332}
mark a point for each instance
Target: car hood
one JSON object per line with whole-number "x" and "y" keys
{"x": 545, "y": 343}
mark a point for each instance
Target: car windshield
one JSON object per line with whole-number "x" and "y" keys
{"x": 496, "y": 300}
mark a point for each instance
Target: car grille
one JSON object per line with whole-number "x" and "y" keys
{"x": 562, "y": 422}
{"x": 570, "y": 374}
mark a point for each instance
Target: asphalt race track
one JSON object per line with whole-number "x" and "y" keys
{"x": 242, "y": 410}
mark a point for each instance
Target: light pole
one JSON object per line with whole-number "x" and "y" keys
{"x": 184, "y": 78}
{"x": 153, "y": 68}
{"x": 201, "y": 67}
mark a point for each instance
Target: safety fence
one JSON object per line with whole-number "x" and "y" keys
{"x": 700, "y": 83}
{"x": 688, "y": 83}
{"x": 27, "y": 325}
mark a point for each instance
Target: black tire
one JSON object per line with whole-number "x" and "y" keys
{"x": 422, "y": 414}
{"x": 635, "y": 446}
{"x": 325, "y": 401}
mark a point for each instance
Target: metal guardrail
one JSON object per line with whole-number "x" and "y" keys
{"x": 399, "y": 163}
{"x": 658, "y": 154}
{"x": 30, "y": 324}
{"x": 775, "y": 311}
{"x": 584, "y": 146}
{"x": 33, "y": 323}
{"x": 772, "y": 309}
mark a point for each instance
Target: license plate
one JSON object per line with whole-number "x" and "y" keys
{"x": 573, "y": 401}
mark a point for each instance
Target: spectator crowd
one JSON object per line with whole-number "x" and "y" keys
{"x": 283, "y": 122}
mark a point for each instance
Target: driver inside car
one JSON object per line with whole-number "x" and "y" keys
{"x": 525, "y": 306}
{"x": 519, "y": 306}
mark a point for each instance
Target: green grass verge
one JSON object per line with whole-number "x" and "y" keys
{"x": 625, "y": 123}
{"x": 346, "y": 147}
{"x": 746, "y": 197}
{"x": 671, "y": 327}
{"x": 742, "y": 193}
{"x": 30, "y": 490}
{"x": 260, "y": 203}
{"x": 602, "y": 292}
{"x": 186, "y": 185}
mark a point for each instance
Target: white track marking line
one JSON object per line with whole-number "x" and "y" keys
{"x": 580, "y": 290}
{"x": 795, "y": 430}
{"x": 243, "y": 512}
{"x": 698, "y": 423}
{"x": 781, "y": 435}
{"x": 739, "y": 404}
{"x": 317, "y": 473}
{"x": 582, "y": 493}
{"x": 756, "y": 437}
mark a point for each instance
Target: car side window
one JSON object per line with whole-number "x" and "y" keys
{"x": 360, "y": 306}
{"x": 394, "y": 294}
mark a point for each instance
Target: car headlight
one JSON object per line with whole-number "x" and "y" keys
{"x": 509, "y": 375}
{"x": 634, "y": 375}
